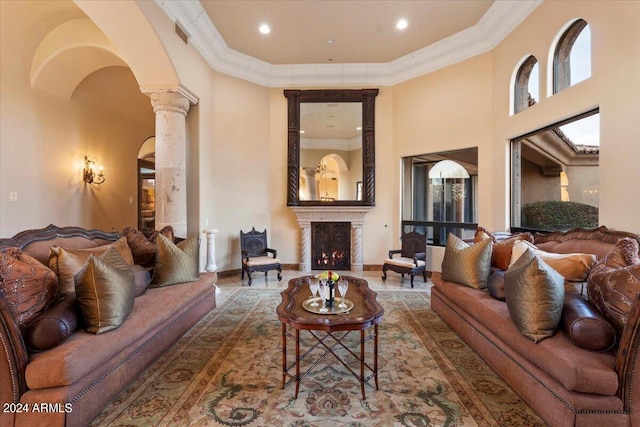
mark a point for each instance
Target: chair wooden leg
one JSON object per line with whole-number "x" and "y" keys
{"x": 384, "y": 273}
{"x": 279, "y": 274}
{"x": 424, "y": 276}
{"x": 249, "y": 275}
{"x": 412, "y": 276}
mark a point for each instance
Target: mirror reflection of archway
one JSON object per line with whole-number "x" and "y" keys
{"x": 147, "y": 185}
{"x": 328, "y": 178}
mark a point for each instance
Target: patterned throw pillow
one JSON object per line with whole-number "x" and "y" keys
{"x": 142, "y": 247}
{"x": 535, "y": 295}
{"x": 614, "y": 283}
{"x": 176, "y": 263}
{"x": 29, "y": 286}
{"x": 468, "y": 265}
{"x": 105, "y": 291}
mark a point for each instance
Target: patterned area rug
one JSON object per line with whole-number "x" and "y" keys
{"x": 227, "y": 371}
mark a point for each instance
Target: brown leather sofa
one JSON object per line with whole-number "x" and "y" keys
{"x": 71, "y": 383}
{"x": 564, "y": 384}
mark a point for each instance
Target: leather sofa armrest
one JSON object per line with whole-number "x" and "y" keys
{"x": 628, "y": 360}
{"x": 14, "y": 357}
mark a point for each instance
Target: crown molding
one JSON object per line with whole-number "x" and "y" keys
{"x": 501, "y": 18}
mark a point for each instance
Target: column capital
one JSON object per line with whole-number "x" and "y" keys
{"x": 169, "y": 101}
{"x": 150, "y": 89}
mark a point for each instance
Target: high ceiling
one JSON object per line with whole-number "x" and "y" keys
{"x": 342, "y": 42}
{"x": 362, "y": 32}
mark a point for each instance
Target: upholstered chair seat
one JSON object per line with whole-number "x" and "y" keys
{"x": 256, "y": 255}
{"x": 261, "y": 260}
{"x": 412, "y": 259}
{"x": 405, "y": 262}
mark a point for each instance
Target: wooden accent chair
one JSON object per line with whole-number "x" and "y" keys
{"x": 256, "y": 256}
{"x": 412, "y": 257}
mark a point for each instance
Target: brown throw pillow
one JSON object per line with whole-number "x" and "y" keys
{"x": 54, "y": 326}
{"x": 468, "y": 265}
{"x": 142, "y": 247}
{"x": 29, "y": 286}
{"x": 67, "y": 262}
{"x": 613, "y": 283}
{"x": 585, "y": 326}
{"x": 534, "y": 294}
{"x": 176, "y": 263}
{"x": 105, "y": 291}
{"x": 501, "y": 252}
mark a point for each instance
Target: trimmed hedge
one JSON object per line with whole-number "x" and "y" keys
{"x": 557, "y": 215}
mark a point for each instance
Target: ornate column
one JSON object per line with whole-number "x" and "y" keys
{"x": 356, "y": 246}
{"x": 211, "y": 249}
{"x": 310, "y": 174}
{"x": 171, "y": 180}
{"x": 305, "y": 246}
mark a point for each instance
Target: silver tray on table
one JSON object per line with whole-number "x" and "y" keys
{"x": 331, "y": 310}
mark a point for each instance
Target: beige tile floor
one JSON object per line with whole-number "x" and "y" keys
{"x": 394, "y": 282}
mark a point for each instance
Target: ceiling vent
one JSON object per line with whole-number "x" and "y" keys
{"x": 181, "y": 33}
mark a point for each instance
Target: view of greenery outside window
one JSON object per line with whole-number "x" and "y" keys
{"x": 439, "y": 194}
{"x": 555, "y": 175}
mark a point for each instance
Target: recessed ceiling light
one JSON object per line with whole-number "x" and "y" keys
{"x": 359, "y": 128}
{"x": 402, "y": 24}
{"x": 264, "y": 29}
{"x": 301, "y": 131}
{"x": 330, "y": 41}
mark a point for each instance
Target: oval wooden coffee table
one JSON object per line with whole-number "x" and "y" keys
{"x": 330, "y": 330}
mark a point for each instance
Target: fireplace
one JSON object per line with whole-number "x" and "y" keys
{"x": 353, "y": 215}
{"x": 330, "y": 245}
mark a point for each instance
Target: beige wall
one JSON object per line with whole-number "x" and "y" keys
{"x": 43, "y": 139}
{"x": 237, "y": 134}
{"x": 613, "y": 87}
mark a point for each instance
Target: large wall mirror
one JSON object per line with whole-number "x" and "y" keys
{"x": 331, "y": 147}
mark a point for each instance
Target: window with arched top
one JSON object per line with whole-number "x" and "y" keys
{"x": 526, "y": 89}
{"x": 572, "y": 56}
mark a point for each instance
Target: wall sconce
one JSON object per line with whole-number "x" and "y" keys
{"x": 89, "y": 176}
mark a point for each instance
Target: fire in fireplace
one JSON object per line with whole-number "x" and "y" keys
{"x": 330, "y": 245}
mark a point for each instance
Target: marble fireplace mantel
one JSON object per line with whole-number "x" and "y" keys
{"x": 352, "y": 214}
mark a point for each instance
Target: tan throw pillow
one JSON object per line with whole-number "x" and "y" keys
{"x": 142, "y": 247}
{"x": 67, "y": 262}
{"x": 105, "y": 291}
{"x": 176, "y": 263}
{"x": 613, "y": 283}
{"x": 468, "y": 265}
{"x": 29, "y": 286}
{"x": 573, "y": 267}
{"x": 535, "y": 294}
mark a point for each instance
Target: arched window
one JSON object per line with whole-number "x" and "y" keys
{"x": 525, "y": 88}
{"x": 572, "y": 56}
